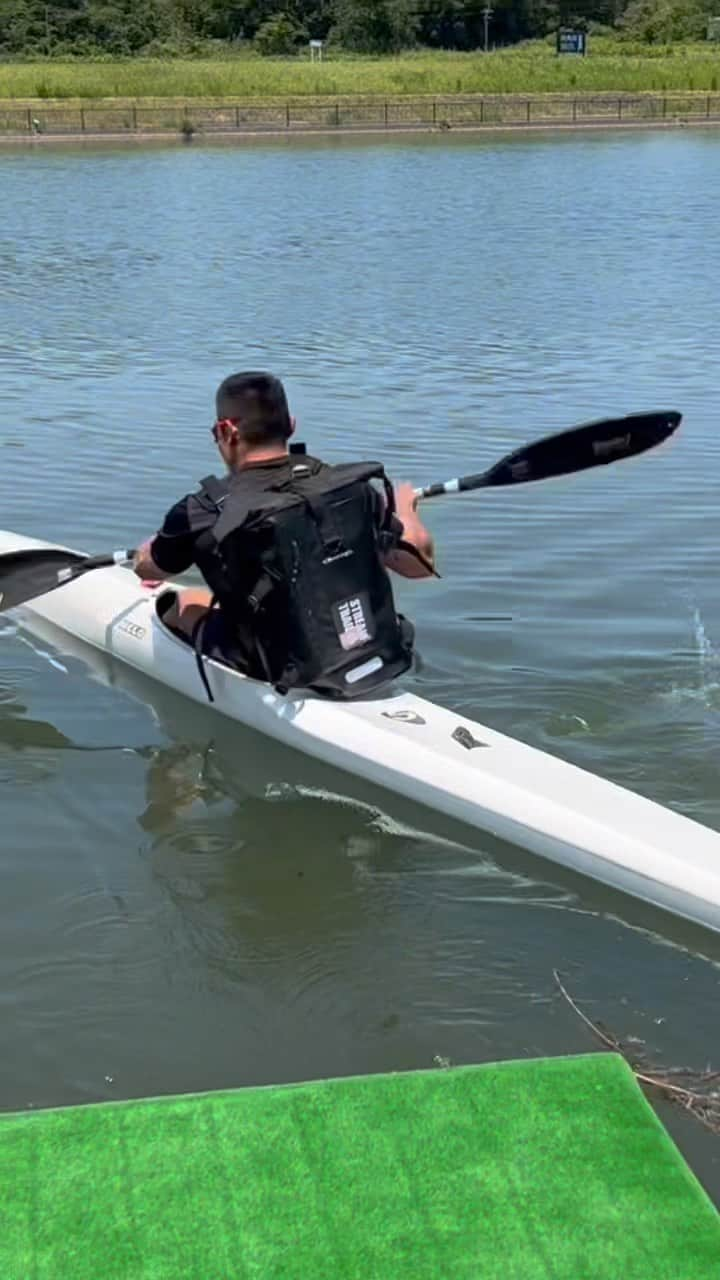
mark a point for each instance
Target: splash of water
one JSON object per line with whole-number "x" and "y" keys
{"x": 708, "y": 660}
{"x": 705, "y": 687}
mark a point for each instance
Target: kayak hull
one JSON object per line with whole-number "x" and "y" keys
{"x": 418, "y": 750}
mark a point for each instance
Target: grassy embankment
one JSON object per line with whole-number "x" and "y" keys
{"x": 526, "y": 69}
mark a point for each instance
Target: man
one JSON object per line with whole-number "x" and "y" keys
{"x": 252, "y": 433}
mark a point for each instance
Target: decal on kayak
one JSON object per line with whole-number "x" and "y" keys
{"x": 407, "y": 716}
{"x": 466, "y": 739}
{"x": 131, "y": 629}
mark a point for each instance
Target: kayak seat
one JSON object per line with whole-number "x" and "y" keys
{"x": 162, "y": 605}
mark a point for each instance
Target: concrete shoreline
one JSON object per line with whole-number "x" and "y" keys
{"x": 247, "y": 135}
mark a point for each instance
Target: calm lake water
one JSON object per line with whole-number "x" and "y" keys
{"x": 185, "y": 907}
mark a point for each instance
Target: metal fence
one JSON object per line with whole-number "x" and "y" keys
{"x": 307, "y": 114}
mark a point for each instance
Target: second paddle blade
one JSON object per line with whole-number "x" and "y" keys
{"x": 593, "y": 445}
{"x": 33, "y": 572}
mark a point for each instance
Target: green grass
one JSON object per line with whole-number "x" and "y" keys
{"x": 527, "y": 69}
{"x": 532, "y": 1169}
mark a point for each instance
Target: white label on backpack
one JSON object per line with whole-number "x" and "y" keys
{"x": 365, "y": 669}
{"x": 352, "y": 622}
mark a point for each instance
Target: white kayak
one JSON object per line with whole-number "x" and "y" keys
{"x": 416, "y": 749}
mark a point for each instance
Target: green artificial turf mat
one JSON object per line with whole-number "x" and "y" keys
{"x": 517, "y": 1171}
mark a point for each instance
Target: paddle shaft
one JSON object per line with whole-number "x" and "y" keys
{"x": 95, "y": 562}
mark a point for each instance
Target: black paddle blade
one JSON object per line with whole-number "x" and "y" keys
{"x": 594, "y": 445}
{"x": 25, "y": 574}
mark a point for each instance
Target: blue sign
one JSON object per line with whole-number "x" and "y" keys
{"x": 571, "y": 42}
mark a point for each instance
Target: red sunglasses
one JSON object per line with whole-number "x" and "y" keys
{"x": 224, "y": 423}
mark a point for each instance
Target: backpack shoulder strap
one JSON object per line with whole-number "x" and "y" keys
{"x": 213, "y": 490}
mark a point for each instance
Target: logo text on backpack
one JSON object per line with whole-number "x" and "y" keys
{"x": 352, "y": 623}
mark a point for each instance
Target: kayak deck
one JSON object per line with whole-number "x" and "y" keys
{"x": 417, "y": 749}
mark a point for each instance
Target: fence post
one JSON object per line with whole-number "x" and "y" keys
{"x": 528, "y": 110}
{"x": 434, "y": 111}
{"x": 707, "y": 107}
{"x": 237, "y": 117}
{"x": 287, "y": 115}
{"x": 386, "y": 115}
{"x": 619, "y": 108}
{"x": 574, "y": 110}
{"x": 482, "y": 110}
{"x": 29, "y": 120}
{"x": 134, "y": 119}
{"x": 337, "y": 114}
{"x": 82, "y": 119}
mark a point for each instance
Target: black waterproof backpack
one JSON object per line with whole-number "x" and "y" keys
{"x": 296, "y": 563}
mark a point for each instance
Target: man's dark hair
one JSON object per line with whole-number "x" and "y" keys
{"x": 259, "y": 403}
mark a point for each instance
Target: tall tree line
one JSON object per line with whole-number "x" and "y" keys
{"x": 122, "y": 27}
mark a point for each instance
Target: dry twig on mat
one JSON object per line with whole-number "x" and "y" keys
{"x": 694, "y": 1095}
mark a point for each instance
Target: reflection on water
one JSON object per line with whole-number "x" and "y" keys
{"x": 176, "y": 777}
{"x": 18, "y": 730}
